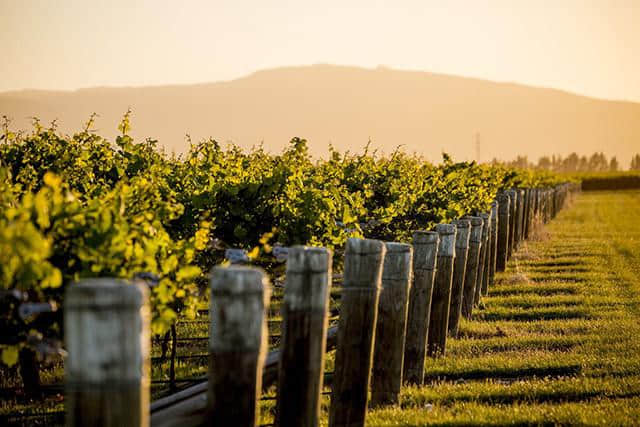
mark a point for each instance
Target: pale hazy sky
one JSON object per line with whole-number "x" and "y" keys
{"x": 583, "y": 46}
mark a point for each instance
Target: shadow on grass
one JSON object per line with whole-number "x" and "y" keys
{"x": 532, "y": 315}
{"x": 540, "y": 303}
{"x": 542, "y": 277}
{"x": 558, "y": 264}
{"x": 498, "y": 373}
{"x": 560, "y": 289}
{"x": 559, "y": 270}
{"x": 479, "y": 348}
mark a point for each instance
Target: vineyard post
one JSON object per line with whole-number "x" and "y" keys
{"x": 363, "y": 263}
{"x": 482, "y": 263}
{"x": 425, "y": 250}
{"x": 513, "y": 202}
{"x": 523, "y": 204}
{"x": 530, "y": 212}
{"x": 532, "y": 220}
{"x": 525, "y": 214}
{"x": 487, "y": 255}
{"x": 388, "y": 355}
{"x": 304, "y": 336}
{"x": 107, "y": 338}
{"x": 518, "y": 222}
{"x": 463, "y": 228}
{"x": 438, "y": 325}
{"x": 237, "y": 344}
{"x": 503, "y": 231}
{"x": 473, "y": 262}
{"x": 530, "y": 215}
{"x": 494, "y": 241}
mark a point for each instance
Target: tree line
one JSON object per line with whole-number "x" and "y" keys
{"x": 597, "y": 162}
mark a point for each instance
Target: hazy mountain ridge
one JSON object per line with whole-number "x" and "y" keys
{"x": 345, "y": 106}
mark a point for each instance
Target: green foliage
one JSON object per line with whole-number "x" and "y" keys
{"x": 79, "y": 206}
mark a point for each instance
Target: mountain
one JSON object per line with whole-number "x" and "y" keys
{"x": 345, "y": 107}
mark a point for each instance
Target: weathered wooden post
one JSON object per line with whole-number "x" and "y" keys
{"x": 513, "y": 203}
{"x": 473, "y": 262}
{"x": 304, "y": 336}
{"x": 107, "y": 338}
{"x": 516, "y": 221}
{"x": 237, "y": 344}
{"x": 388, "y": 353}
{"x": 483, "y": 255}
{"x": 438, "y": 325}
{"x": 356, "y": 331}
{"x": 487, "y": 256}
{"x": 463, "y": 230}
{"x": 504, "y": 209}
{"x": 527, "y": 212}
{"x": 521, "y": 204}
{"x": 425, "y": 250}
{"x": 494, "y": 242}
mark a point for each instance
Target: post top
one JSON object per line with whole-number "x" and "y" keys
{"x": 238, "y": 279}
{"x": 446, "y": 229}
{"x": 105, "y": 292}
{"x": 502, "y": 198}
{"x": 447, "y": 240}
{"x": 364, "y": 246}
{"x": 396, "y": 247}
{"x": 425, "y": 237}
{"x": 308, "y": 258}
{"x": 462, "y": 223}
{"x": 475, "y": 221}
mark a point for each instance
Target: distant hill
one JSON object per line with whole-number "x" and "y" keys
{"x": 345, "y": 106}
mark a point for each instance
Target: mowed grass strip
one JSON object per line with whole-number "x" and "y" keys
{"x": 557, "y": 341}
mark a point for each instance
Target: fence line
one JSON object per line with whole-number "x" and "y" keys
{"x": 398, "y": 303}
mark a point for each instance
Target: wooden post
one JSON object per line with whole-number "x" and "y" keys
{"x": 356, "y": 331}
{"x": 425, "y": 250}
{"x": 107, "y": 338}
{"x": 487, "y": 255}
{"x": 494, "y": 242}
{"x": 517, "y": 220}
{"x": 304, "y": 336}
{"x": 463, "y": 230}
{"x": 438, "y": 325}
{"x": 483, "y": 257}
{"x": 527, "y": 212}
{"x": 237, "y": 344}
{"x": 388, "y": 355}
{"x": 473, "y": 260}
{"x": 513, "y": 204}
{"x": 521, "y": 194}
{"x": 504, "y": 209}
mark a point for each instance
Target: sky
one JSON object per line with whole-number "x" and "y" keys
{"x": 582, "y": 46}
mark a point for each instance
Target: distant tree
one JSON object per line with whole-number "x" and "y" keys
{"x": 583, "y": 165}
{"x": 598, "y": 163}
{"x": 571, "y": 163}
{"x": 544, "y": 163}
{"x": 613, "y": 164}
{"x": 635, "y": 163}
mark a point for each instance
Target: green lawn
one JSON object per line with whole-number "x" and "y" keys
{"x": 557, "y": 341}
